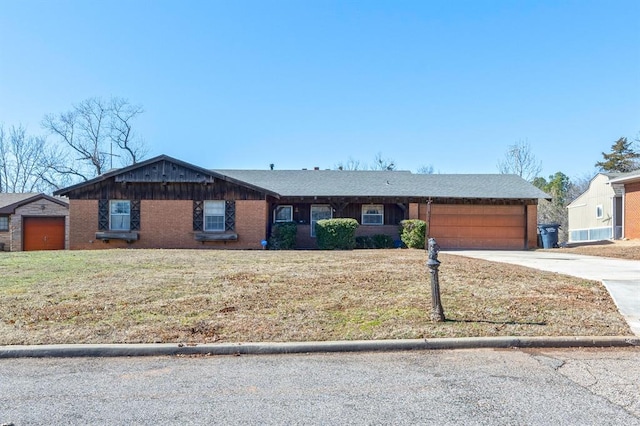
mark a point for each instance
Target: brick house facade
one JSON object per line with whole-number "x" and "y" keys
{"x": 629, "y": 185}
{"x": 632, "y": 210}
{"x": 167, "y": 203}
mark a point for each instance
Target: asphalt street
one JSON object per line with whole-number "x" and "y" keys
{"x": 620, "y": 277}
{"x": 471, "y": 387}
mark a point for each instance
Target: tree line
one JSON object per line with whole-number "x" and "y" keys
{"x": 92, "y": 137}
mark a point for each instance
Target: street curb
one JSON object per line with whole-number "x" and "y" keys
{"x": 164, "y": 349}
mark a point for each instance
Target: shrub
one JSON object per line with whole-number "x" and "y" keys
{"x": 283, "y": 236}
{"x": 364, "y": 242}
{"x": 336, "y": 234}
{"x": 412, "y": 232}
{"x": 382, "y": 241}
{"x": 378, "y": 241}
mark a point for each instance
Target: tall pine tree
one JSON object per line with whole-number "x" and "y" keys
{"x": 622, "y": 158}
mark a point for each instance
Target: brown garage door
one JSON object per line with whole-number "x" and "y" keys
{"x": 42, "y": 233}
{"x": 481, "y": 227}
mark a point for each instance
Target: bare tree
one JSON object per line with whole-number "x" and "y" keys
{"x": 381, "y": 163}
{"x": 351, "y": 164}
{"x": 122, "y": 115}
{"x": 520, "y": 160}
{"x": 425, "y": 170}
{"x": 91, "y": 134}
{"x": 22, "y": 161}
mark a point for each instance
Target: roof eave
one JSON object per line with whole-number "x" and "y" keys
{"x": 11, "y": 208}
{"x": 112, "y": 173}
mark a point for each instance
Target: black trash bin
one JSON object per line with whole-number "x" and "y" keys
{"x": 548, "y": 233}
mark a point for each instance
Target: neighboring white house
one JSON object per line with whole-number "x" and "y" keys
{"x": 597, "y": 214}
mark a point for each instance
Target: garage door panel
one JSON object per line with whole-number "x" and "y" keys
{"x": 472, "y": 226}
{"x": 43, "y": 233}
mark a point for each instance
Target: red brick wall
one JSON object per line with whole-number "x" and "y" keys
{"x": 167, "y": 224}
{"x": 632, "y": 210}
{"x": 532, "y": 226}
{"x": 83, "y": 224}
{"x": 251, "y": 223}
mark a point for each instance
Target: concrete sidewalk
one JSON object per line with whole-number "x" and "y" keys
{"x": 620, "y": 277}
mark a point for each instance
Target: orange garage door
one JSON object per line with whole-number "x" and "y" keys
{"x": 42, "y": 233}
{"x": 481, "y": 227}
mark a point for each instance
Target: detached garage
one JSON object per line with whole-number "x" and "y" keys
{"x": 33, "y": 222}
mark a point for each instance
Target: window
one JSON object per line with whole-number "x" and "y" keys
{"x": 373, "y": 214}
{"x": 283, "y": 214}
{"x": 120, "y": 215}
{"x": 214, "y": 216}
{"x": 319, "y": 213}
{"x": 4, "y": 223}
{"x": 599, "y": 211}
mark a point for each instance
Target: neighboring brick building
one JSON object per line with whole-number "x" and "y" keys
{"x": 167, "y": 203}
{"x": 608, "y": 209}
{"x": 630, "y": 182}
{"x": 33, "y": 222}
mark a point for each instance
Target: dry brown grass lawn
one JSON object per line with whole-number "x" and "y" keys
{"x": 203, "y": 296}
{"x": 623, "y": 249}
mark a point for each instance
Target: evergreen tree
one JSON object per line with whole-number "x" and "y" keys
{"x": 622, "y": 158}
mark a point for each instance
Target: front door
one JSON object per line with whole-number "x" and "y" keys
{"x": 319, "y": 212}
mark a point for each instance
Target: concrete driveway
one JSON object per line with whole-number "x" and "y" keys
{"x": 620, "y": 277}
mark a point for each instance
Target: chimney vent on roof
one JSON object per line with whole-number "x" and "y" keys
{"x": 316, "y": 168}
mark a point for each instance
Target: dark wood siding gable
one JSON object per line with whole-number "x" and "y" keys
{"x": 164, "y": 180}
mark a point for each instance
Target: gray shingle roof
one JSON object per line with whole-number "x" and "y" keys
{"x": 7, "y": 199}
{"x": 342, "y": 183}
{"x": 10, "y": 201}
{"x": 625, "y": 177}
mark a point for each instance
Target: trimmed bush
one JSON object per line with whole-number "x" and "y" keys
{"x": 382, "y": 241}
{"x": 378, "y": 241}
{"x": 283, "y": 236}
{"x": 336, "y": 234}
{"x": 364, "y": 242}
{"x": 412, "y": 232}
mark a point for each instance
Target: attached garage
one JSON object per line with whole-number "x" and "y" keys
{"x": 466, "y": 211}
{"x": 43, "y": 233}
{"x": 479, "y": 226}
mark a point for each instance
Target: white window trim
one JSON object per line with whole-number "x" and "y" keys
{"x": 111, "y": 214}
{"x": 205, "y": 215}
{"x": 275, "y": 213}
{"x": 599, "y": 211}
{"x": 312, "y": 222}
{"x": 381, "y": 215}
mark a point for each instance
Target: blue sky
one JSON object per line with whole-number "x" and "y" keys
{"x": 242, "y": 84}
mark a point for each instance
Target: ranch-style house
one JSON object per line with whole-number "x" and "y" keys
{"x": 167, "y": 203}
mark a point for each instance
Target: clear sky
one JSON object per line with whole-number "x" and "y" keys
{"x": 242, "y": 84}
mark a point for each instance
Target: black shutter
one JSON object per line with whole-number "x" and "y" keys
{"x": 135, "y": 215}
{"x": 103, "y": 215}
{"x": 230, "y": 216}
{"x": 198, "y": 215}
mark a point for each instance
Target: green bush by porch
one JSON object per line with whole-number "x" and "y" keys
{"x": 283, "y": 236}
{"x": 412, "y": 232}
{"x": 336, "y": 234}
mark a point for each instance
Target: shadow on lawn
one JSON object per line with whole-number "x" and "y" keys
{"x": 495, "y": 322}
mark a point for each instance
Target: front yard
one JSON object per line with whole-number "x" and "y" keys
{"x": 198, "y": 296}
